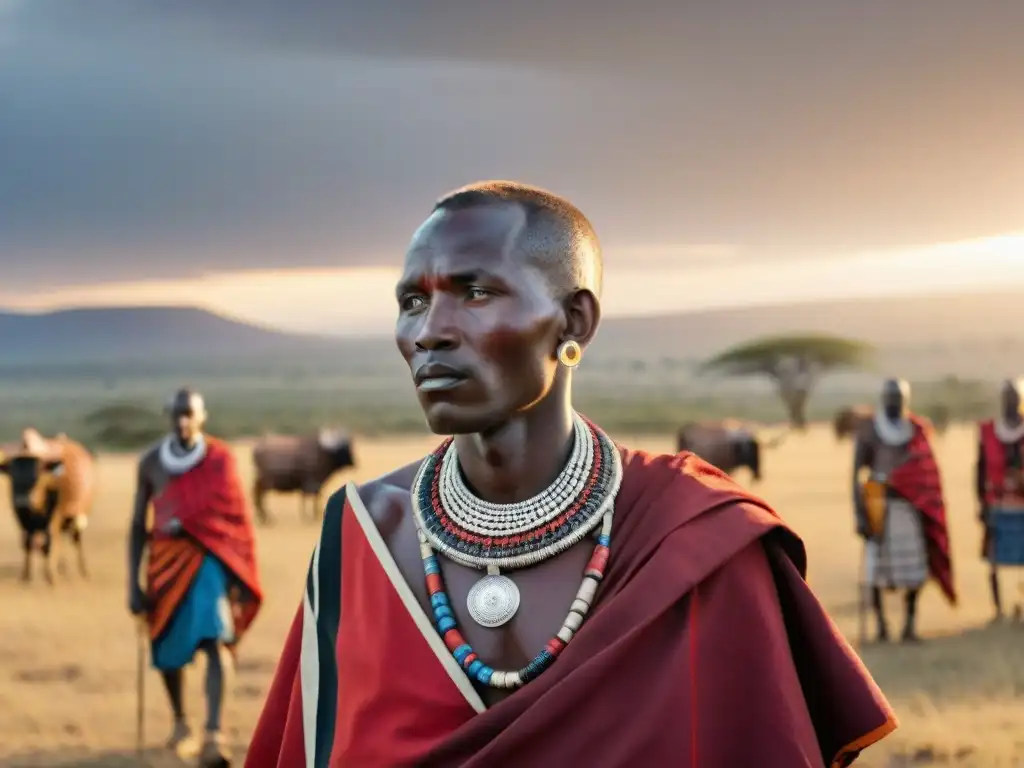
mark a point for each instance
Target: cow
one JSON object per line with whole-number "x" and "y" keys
{"x": 727, "y": 444}
{"x": 848, "y": 420}
{"x": 52, "y": 488}
{"x": 303, "y": 463}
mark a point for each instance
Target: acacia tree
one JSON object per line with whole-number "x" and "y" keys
{"x": 794, "y": 363}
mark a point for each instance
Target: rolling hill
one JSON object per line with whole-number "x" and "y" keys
{"x": 970, "y": 335}
{"x": 119, "y": 334}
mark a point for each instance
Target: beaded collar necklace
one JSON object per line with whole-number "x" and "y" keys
{"x": 175, "y": 463}
{"x": 451, "y": 520}
{"x": 1006, "y": 433}
{"x": 893, "y": 433}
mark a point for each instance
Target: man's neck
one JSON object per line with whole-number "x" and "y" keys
{"x": 184, "y": 446}
{"x": 523, "y": 456}
{"x": 1013, "y": 418}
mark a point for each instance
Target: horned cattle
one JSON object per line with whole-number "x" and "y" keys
{"x": 298, "y": 463}
{"x": 52, "y": 487}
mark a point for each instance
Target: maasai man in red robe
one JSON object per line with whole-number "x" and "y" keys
{"x": 907, "y": 540}
{"x": 1000, "y": 489}
{"x": 531, "y": 593}
{"x": 202, "y": 586}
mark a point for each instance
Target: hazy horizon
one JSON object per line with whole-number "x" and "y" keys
{"x": 357, "y": 300}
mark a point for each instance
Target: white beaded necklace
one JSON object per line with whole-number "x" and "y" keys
{"x": 487, "y": 519}
{"x": 180, "y": 463}
{"x": 1008, "y": 435}
{"x": 494, "y": 599}
{"x": 893, "y": 433}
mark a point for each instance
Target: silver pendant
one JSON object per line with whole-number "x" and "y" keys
{"x": 493, "y": 600}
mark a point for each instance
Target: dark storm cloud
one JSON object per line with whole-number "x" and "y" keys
{"x": 157, "y": 139}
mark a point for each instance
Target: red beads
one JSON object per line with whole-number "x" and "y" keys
{"x": 434, "y": 583}
{"x": 598, "y": 562}
{"x": 555, "y": 646}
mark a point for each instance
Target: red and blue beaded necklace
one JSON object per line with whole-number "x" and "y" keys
{"x": 478, "y": 534}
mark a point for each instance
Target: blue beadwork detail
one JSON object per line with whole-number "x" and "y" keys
{"x": 440, "y": 602}
{"x": 441, "y": 611}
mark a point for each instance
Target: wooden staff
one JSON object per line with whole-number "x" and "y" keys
{"x": 862, "y": 607}
{"x": 141, "y": 636}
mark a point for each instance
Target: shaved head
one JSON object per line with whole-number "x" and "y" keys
{"x": 187, "y": 413}
{"x": 1012, "y": 395}
{"x": 555, "y": 235}
{"x": 895, "y": 397}
{"x": 893, "y": 387}
{"x": 185, "y": 400}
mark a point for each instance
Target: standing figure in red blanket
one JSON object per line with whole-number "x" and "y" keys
{"x": 202, "y": 587}
{"x": 478, "y": 607}
{"x": 1000, "y": 489}
{"x": 906, "y": 538}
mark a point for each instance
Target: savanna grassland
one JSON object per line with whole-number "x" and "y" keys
{"x": 68, "y": 653}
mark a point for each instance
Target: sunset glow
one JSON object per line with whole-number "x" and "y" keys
{"x": 345, "y": 301}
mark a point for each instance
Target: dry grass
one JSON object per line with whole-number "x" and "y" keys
{"x": 68, "y": 654}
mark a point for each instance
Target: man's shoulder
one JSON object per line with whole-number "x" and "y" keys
{"x": 396, "y": 481}
{"x": 150, "y": 453}
{"x": 693, "y": 515}
{"x": 923, "y": 425}
{"x": 866, "y": 431}
{"x": 683, "y": 471}
{"x": 217, "y": 447}
{"x": 675, "y": 488}
{"x": 379, "y": 495}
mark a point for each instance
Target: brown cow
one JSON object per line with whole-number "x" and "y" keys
{"x": 727, "y": 444}
{"x": 52, "y": 487}
{"x": 848, "y": 420}
{"x": 303, "y": 463}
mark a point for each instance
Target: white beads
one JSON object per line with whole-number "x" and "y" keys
{"x": 489, "y": 520}
{"x": 587, "y": 590}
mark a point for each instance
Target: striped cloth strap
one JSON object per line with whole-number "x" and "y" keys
{"x": 321, "y": 614}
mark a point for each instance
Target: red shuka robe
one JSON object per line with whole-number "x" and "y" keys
{"x": 995, "y": 461}
{"x": 705, "y": 648}
{"x": 209, "y": 502}
{"x": 918, "y": 481}
{"x": 994, "y": 453}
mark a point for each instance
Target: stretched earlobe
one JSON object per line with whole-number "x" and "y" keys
{"x": 570, "y": 353}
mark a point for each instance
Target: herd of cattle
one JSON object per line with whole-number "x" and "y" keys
{"x": 52, "y": 480}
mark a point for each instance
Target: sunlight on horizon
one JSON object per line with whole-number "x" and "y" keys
{"x": 361, "y": 300}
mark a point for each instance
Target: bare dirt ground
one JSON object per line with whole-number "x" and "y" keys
{"x": 68, "y": 653}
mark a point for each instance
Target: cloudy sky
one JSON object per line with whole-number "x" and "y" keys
{"x": 271, "y": 159}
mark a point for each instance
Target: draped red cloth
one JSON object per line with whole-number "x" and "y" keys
{"x": 918, "y": 481}
{"x": 210, "y": 503}
{"x": 705, "y": 648}
{"x": 995, "y": 461}
{"x": 994, "y": 451}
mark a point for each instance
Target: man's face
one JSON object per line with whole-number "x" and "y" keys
{"x": 477, "y": 325}
{"x": 1011, "y": 402}
{"x": 893, "y": 400}
{"x": 187, "y": 417}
